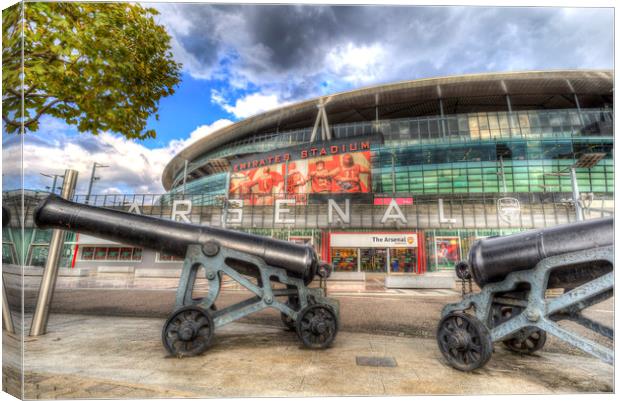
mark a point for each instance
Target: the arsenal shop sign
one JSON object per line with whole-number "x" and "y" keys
{"x": 373, "y": 240}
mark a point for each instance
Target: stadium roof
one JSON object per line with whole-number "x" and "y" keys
{"x": 459, "y": 94}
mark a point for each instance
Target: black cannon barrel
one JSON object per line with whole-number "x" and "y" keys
{"x": 492, "y": 259}
{"x": 170, "y": 236}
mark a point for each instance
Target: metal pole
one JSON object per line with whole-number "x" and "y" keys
{"x": 7, "y": 318}
{"x": 509, "y": 104}
{"x": 184, "y": 177}
{"x": 573, "y": 179}
{"x": 377, "y": 124}
{"x": 578, "y": 110}
{"x": 285, "y": 178}
{"x": 50, "y": 273}
{"x": 54, "y": 184}
{"x": 393, "y": 173}
{"x": 572, "y": 89}
{"x": 225, "y": 212}
{"x": 501, "y": 166}
{"x": 90, "y": 184}
{"x": 443, "y": 123}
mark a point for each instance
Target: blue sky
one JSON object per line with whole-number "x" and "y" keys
{"x": 188, "y": 108}
{"x": 242, "y": 60}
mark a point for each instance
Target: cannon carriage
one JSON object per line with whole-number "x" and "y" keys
{"x": 278, "y": 273}
{"x": 519, "y": 277}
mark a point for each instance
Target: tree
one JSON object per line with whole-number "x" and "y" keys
{"x": 100, "y": 66}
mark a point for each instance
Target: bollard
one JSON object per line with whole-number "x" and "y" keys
{"x": 7, "y": 319}
{"x": 50, "y": 273}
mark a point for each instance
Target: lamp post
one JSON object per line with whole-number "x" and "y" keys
{"x": 55, "y": 177}
{"x": 92, "y": 180}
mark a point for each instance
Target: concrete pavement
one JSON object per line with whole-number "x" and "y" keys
{"x": 409, "y": 313}
{"x": 86, "y": 356}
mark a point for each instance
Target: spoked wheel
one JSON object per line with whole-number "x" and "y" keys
{"x": 503, "y": 313}
{"x": 527, "y": 341}
{"x": 188, "y": 331}
{"x": 293, "y": 303}
{"x": 317, "y": 326}
{"x": 464, "y": 341}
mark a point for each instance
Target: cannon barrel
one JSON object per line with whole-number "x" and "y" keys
{"x": 492, "y": 259}
{"x": 172, "y": 237}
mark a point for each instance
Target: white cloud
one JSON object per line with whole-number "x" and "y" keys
{"x": 248, "y": 105}
{"x": 357, "y": 65}
{"x": 133, "y": 168}
{"x": 306, "y": 51}
{"x": 200, "y": 132}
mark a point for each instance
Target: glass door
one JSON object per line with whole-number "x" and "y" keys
{"x": 374, "y": 260}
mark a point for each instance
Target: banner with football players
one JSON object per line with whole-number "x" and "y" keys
{"x": 295, "y": 179}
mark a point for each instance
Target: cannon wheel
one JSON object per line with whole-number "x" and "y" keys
{"x": 293, "y": 303}
{"x": 527, "y": 341}
{"x": 464, "y": 341}
{"x": 188, "y": 331}
{"x": 317, "y": 326}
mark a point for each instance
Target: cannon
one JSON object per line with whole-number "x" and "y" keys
{"x": 277, "y": 272}
{"x": 529, "y": 282}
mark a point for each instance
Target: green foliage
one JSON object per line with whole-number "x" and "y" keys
{"x": 100, "y": 66}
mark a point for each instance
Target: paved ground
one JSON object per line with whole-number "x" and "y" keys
{"x": 365, "y": 308}
{"x": 108, "y": 339}
{"x": 103, "y": 357}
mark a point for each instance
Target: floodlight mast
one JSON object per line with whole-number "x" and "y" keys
{"x": 55, "y": 177}
{"x": 93, "y": 179}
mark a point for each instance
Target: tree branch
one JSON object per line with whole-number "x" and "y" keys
{"x": 41, "y": 112}
{"x": 10, "y": 122}
{"x": 16, "y": 123}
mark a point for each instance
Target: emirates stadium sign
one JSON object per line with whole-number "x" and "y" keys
{"x": 320, "y": 168}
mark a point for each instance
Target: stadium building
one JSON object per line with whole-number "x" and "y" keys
{"x": 397, "y": 180}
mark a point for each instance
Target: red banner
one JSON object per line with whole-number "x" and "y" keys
{"x": 341, "y": 173}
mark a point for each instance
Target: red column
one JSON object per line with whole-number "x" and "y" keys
{"x": 75, "y": 250}
{"x": 325, "y": 254}
{"x": 421, "y": 253}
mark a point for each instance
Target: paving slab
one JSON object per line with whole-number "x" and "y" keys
{"x": 85, "y": 356}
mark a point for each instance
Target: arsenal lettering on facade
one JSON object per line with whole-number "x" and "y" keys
{"x": 304, "y": 152}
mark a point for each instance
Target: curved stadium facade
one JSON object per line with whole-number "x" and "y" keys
{"x": 434, "y": 164}
{"x": 395, "y": 180}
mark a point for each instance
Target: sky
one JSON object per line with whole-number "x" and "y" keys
{"x": 240, "y": 60}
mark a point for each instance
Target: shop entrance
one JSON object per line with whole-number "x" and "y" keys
{"x": 373, "y": 260}
{"x": 380, "y": 252}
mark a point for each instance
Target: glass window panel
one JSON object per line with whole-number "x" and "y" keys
{"x": 88, "y": 252}
{"x": 125, "y": 253}
{"x": 113, "y": 253}
{"x": 100, "y": 253}
{"x": 38, "y": 255}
